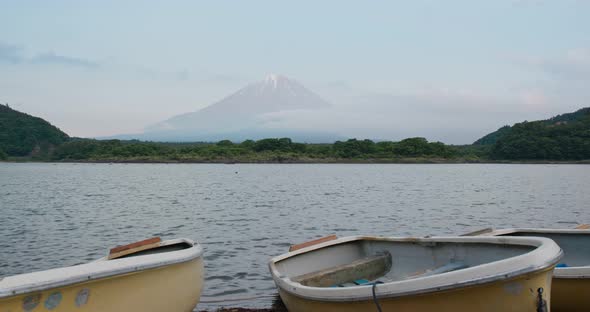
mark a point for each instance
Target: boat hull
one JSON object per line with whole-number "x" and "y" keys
{"x": 570, "y": 294}
{"x": 174, "y": 287}
{"x": 517, "y": 294}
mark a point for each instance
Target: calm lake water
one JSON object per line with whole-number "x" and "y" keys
{"x": 54, "y": 215}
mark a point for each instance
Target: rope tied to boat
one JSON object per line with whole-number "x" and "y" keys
{"x": 542, "y": 303}
{"x": 375, "y": 300}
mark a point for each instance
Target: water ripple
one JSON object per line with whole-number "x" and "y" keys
{"x": 64, "y": 214}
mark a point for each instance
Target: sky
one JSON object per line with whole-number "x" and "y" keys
{"x": 445, "y": 70}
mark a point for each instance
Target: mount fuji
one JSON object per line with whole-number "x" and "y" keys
{"x": 245, "y": 114}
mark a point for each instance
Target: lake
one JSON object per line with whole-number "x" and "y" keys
{"x": 55, "y": 215}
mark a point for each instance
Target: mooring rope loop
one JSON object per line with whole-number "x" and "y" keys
{"x": 542, "y": 303}
{"x": 375, "y": 300}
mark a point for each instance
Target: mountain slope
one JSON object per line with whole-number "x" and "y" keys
{"x": 241, "y": 112}
{"x": 563, "y": 137}
{"x": 23, "y": 135}
{"x": 492, "y": 138}
{"x": 569, "y": 117}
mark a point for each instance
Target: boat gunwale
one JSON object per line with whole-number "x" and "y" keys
{"x": 574, "y": 272}
{"x": 98, "y": 269}
{"x": 388, "y": 289}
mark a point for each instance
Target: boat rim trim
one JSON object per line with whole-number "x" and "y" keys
{"x": 544, "y": 246}
{"x": 98, "y": 269}
{"x": 500, "y": 232}
{"x": 563, "y": 272}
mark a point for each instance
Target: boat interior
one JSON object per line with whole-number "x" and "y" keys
{"x": 366, "y": 261}
{"x": 575, "y": 246}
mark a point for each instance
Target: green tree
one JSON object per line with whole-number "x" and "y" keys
{"x": 413, "y": 147}
{"x": 354, "y": 148}
{"x": 564, "y": 137}
{"x": 282, "y": 144}
{"x": 249, "y": 144}
{"x": 225, "y": 143}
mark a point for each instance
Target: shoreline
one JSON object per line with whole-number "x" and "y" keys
{"x": 307, "y": 161}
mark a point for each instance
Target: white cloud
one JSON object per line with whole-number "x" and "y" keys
{"x": 535, "y": 99}
{"x": 50, "y": 58}
{"x": 573, "y": 64}
{"x": 13, "y": 54}
{"x": 450, "y": 116}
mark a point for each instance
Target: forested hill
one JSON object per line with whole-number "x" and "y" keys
{"x": 491, "y": 138}
{"x": 579, "y": 115}
{"x": 576, "y": 116}
{"x": 563, "y": 137}
{"x": 25, "y": 135}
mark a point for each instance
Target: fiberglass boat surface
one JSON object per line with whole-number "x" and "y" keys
{"x": 159, "y": 276}
{"x": 418, "y": 274}
{"x": 571, "y": 278}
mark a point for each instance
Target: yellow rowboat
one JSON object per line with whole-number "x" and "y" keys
{"x": 150, "y": 275}
{"x": 571, "y": 278}
{"x": 363, "y": 273}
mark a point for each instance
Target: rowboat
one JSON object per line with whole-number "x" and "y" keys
{"x": 150, "y": 275}
{"x": 367, "y": 273}
{"x": 571, "y": 278}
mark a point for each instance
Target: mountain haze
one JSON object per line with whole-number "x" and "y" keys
{"x": 243, "y": 115}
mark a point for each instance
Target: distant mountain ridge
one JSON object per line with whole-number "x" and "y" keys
{"x": 273, "y": 94}
{"x": 25, "y": 135}
{"x": 242, "y": 113}
{"x": 575, "y": 116}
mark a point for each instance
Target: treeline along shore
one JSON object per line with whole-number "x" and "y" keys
{"x": 272, "y": 150}
{"x": 563, "y": 138}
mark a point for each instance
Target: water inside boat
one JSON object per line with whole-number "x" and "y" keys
{"x": 366, "y": 261}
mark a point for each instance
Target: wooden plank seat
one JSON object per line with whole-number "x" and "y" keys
{"x": 369, "y": 268}
{"x": 122, "y": 251}
{"x": 312, "y": 242}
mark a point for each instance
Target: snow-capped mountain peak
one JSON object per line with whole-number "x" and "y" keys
{"x": 276, "y": 93}
{"x": 273, "y": 79}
